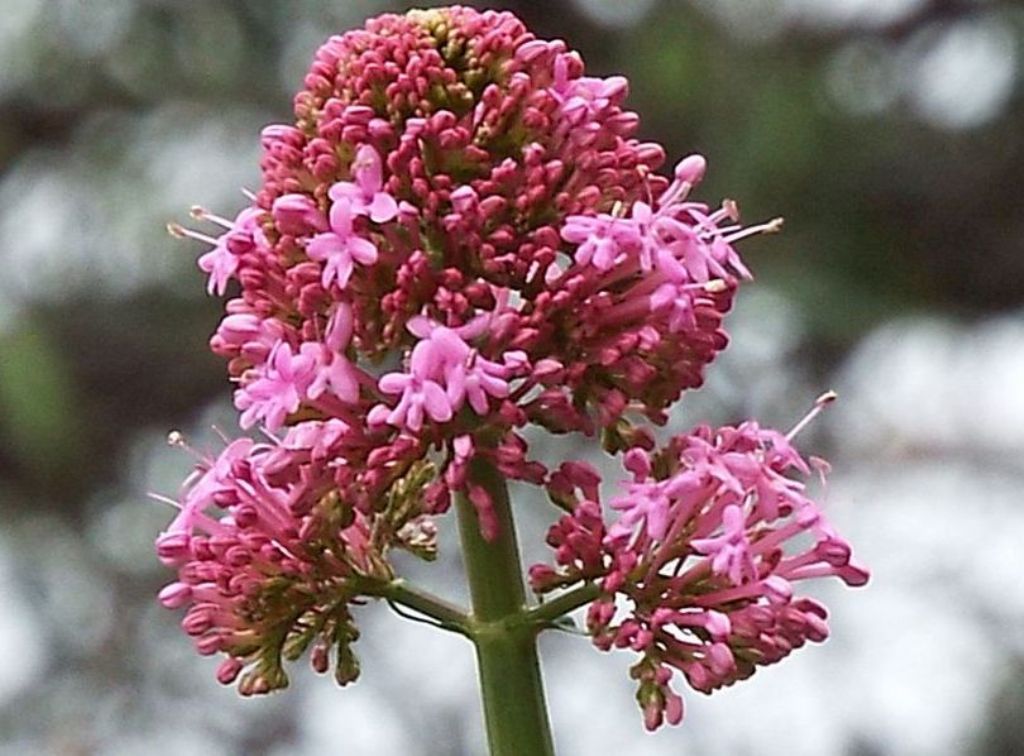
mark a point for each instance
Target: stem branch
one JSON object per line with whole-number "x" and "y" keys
{"x": 448, "y": 615}
{"x": 543, "y": 615}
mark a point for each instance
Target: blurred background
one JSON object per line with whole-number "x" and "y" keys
{"x": 890, "y": 133}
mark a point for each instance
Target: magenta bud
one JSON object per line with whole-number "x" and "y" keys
{"x": 297, "y": 214}
{"x": 691, "y": 169}
{"x": 175, "y": 595}
{"x": 228, "y": 671}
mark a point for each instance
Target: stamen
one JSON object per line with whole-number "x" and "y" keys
{"x": 201, "y": 213}
{"x": 771, "y": 227}
{"x": 163, "y": 499}
{"x": 819, "y": 404}
{"x": 676, "y": 194}
{"x": 177, "y": 438}
{"x": 714, "y": 286}
{"x": 618, "y": 209}
{"x": 271, "y": 436}
{"x": 248, "y": 194}
{"x": 180, "y": 232}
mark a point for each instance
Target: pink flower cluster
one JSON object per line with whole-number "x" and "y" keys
{"x": 459, "y": 236}
{"x": 702, "y": 557}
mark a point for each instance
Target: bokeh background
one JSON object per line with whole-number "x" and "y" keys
{"x": 890, "y": 133}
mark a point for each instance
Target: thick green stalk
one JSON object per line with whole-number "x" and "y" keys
{"x": 515, "y": 712}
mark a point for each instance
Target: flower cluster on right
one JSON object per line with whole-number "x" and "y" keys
{"x": 698, "y": 553}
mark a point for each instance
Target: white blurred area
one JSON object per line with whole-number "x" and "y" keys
{"x": 927, "y": 446}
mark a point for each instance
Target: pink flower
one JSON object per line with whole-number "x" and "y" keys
{"x": 730, "y": 551}
{"x": 334, "y": 371}
{"x": 603, "y": 240}
{"x": 243, "y": 236}
{"x": 419, "y": 397}
{"x": 475, "y": 382}
{"x": 278, "y": 389}
{"x": 366, "y": 195}
{"x": 340, "y": 248}
{"x": 221, "y": 265}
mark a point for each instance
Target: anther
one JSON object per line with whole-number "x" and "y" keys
{"x": 715, "y": 286}
{"x": 180, "y": 232}
{"x": 819, "y": 404}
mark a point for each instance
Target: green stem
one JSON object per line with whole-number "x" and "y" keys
{"x": 510, "y": 681}
{"x": 446, "y": 614}
{"x": 546, "y": 613}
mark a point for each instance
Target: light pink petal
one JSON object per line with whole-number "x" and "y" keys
{"x": 362, "y": 250}
{"x": 394, "y": 383}
{"x": 456, "y": 385}
{"x": 339, "y": 328}
{"x": 378, "y": 415}
{"x": 420, "y": 326}
{"x": 323, "y": 246}
{"x": 450, "y": 348}
{"x": 344, "y": 191}
{"x": 493, "y": 385}
{"x": 341, "y": 218}
{"x": 463, "y": 446}
{"x": 477, "y": 398}
{"x": 343, "y": 379}
{"x": 436, "y": 403}
{"x": 425, "y": 361}
{"x": 339, "y": 267}
{"x": 657, "y": 519}
{"x": 414, "y": 415}
{"x": 383, "y": 208}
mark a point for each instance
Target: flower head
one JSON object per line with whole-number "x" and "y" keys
{"x": 459, "y": 236}
{"x": 706, "y": 549}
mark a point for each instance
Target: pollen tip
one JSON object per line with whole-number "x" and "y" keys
{"x": 825, "y": 399}
{"x": 176, "y": 230}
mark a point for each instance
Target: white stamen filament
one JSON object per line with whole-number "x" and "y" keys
{"x": 819, "y": 404}
{"x": 771, "y": 227}
{"x": 180, "y": 232}
{"x": 201, "y": 213}
{"x": 163, "y": 499}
